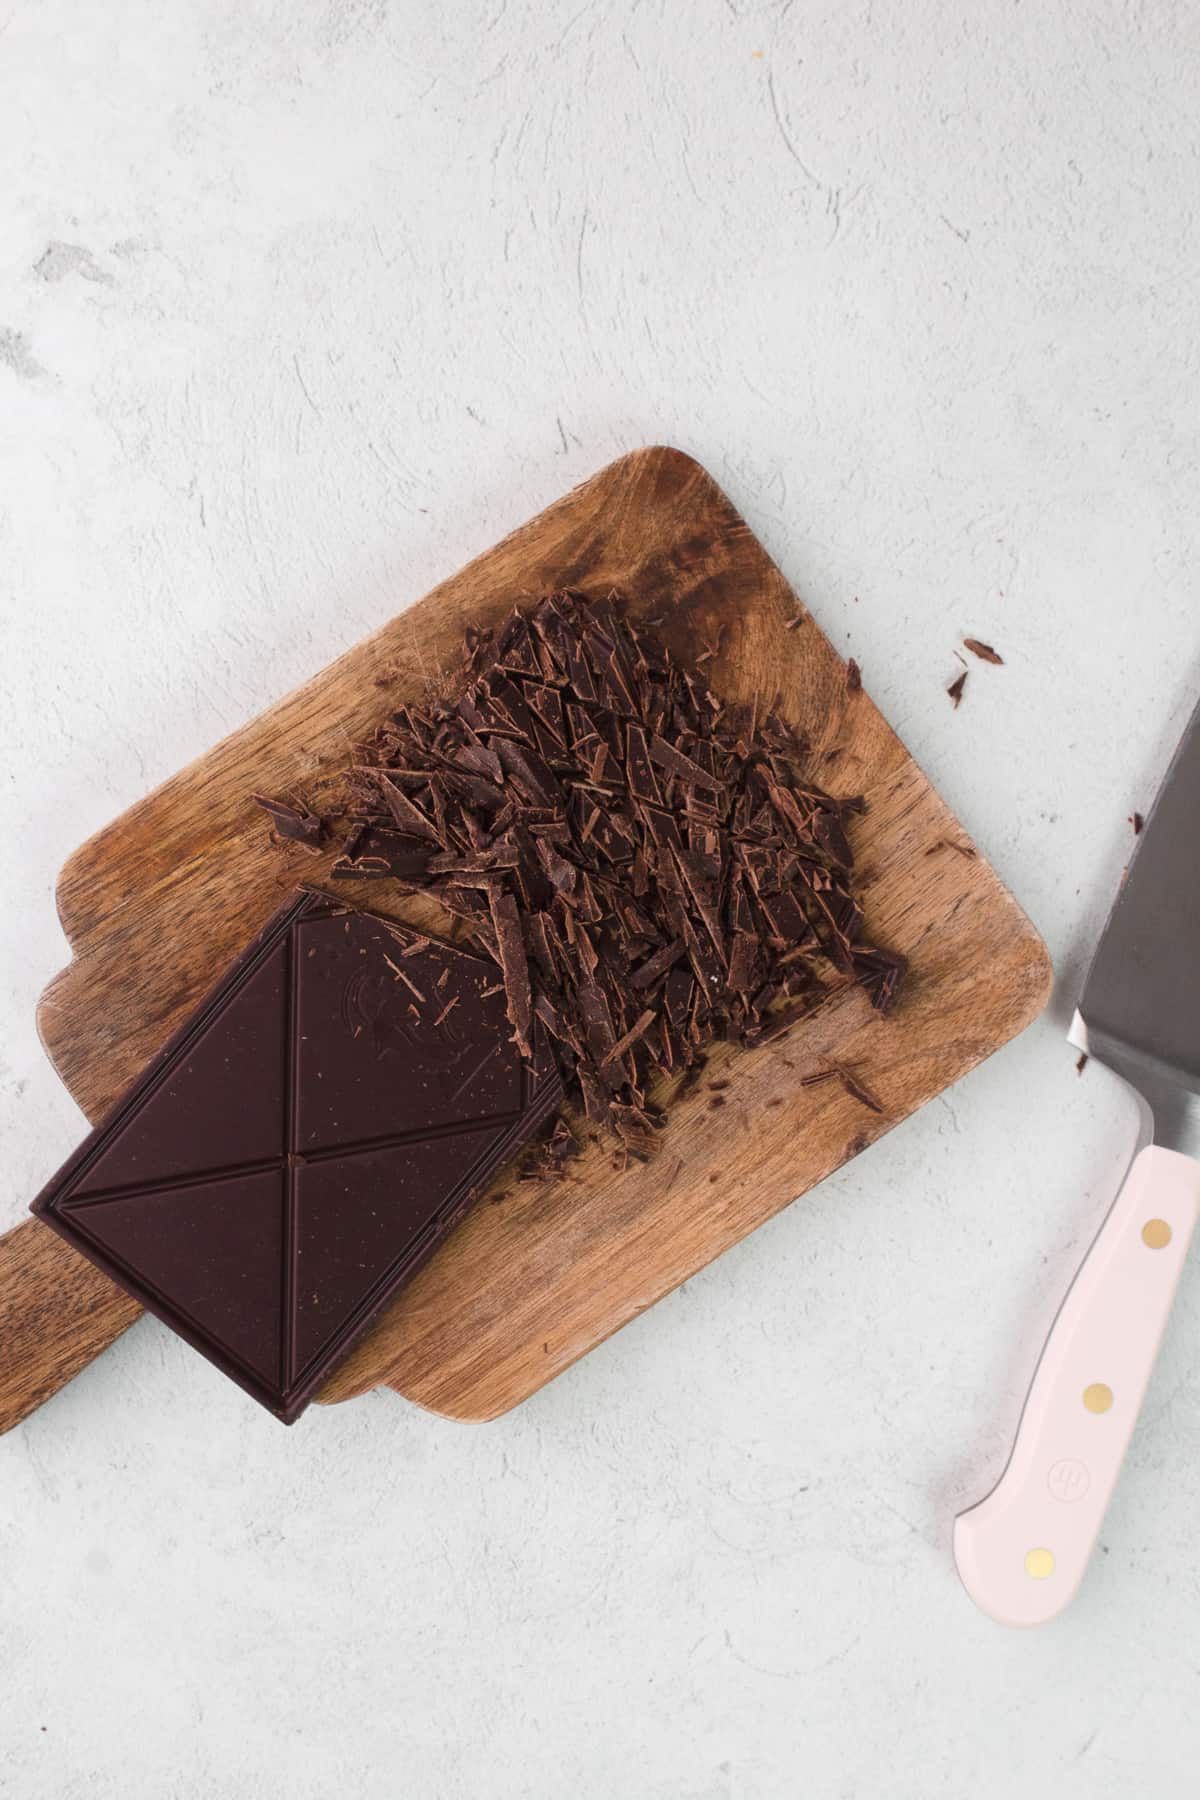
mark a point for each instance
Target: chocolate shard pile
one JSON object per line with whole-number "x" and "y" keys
{"x": 649, "y": 868}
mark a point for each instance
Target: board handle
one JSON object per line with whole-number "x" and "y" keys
{"x": 1023, "y": 1550}
{"x": 57, "y": 1313}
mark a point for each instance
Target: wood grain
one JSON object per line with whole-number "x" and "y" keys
{"x": 56, "y": 1314}
{"x": 156, "y": 905}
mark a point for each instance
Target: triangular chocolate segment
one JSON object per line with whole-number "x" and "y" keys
{"x": 390, "y": 1043}
{"x": 359, "y": 1216}
{"x": 208, "y": 1257}
{"x": 219, "y": 1103}
{"x": 191, "y": 1196}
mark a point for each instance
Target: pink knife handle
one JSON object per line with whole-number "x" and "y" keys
{"x": 1023, "y": 1550}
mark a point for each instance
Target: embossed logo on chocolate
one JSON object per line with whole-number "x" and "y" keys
{"x": 395, "y": 1016}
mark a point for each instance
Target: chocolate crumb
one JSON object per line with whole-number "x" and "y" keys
{"x": 1082, "y": 1063}
{"x": 853, "y": 677}
{"x": 984, "y": 652}
{"x": 1137, "y": 821}
{"x": 955, "y": 690}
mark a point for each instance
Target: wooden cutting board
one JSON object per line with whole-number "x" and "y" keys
{"x": 156, "y": 906}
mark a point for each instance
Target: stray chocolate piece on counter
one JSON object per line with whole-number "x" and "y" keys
{"x": 955, "y": 690}
{"x": 984, "y": 652}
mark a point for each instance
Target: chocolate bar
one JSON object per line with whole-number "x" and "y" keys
{"x": 304, "y": 1143}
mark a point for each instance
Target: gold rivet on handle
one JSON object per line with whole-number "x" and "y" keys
{"x": 1098, "y": 1397}
{"x": 1156, "y": 1234}
{"x": 1039, "y": 1564}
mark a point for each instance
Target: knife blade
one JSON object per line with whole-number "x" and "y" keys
{"x": 1022, "y": 1551}
{"x": 1139, "y": 1010}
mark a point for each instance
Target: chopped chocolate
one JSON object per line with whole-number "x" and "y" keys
{"x": 302, "y": 1145}
{"x": 632, "y": 1036}
{"x": 649, "y": 868}
{"x": 984, "y": 652}
{"x": 834, "y": 1071}
{"x": 546, "y": 1161}
{"x": 857, "y": 1091}
{"x": 944, "y": 843}
{"x": 292, "y": 819}
{"x": 360, "y": 868}
{"x": 1137, "y": 821}
{"x": 675, "y": 763}
{"x": 955, "y": 690}
{"x": 880, "y": 973}
{"x": 853, "y": 677}
{"x": 1082, "y": 1063}
{"x": 513, "y": 966}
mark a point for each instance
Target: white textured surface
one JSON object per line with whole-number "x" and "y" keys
{"x": 300, "y": 306}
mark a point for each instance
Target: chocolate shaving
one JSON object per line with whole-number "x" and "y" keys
{"x": 632, "y": 1036}
{"x": 360, "y": 868}
{"x": 834, "y": 1071}
{"x": 513, "y": 966}
{"x": 1082, "y": 1063}
{"x": 292, "y": 819}
{"x": 1137, "y": 821}
{"x": 675, "y": 763}
{"x": 955, "y": 690}
{"x": 984, "y": 652}
{"x": 546, "y": 1161}
{"x": 402, "y": 810}
{"x": 943, "y": 843}
{"x": 650, "y": 869}
{"x": 853, "y": 677}
{"x": 648, "y": 972}
{"x": 401, "y": 976}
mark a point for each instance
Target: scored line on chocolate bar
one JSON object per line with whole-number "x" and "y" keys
{"x": 334, "y": 1153}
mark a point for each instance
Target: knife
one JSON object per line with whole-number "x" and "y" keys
{"x": 1022, "y": 1551}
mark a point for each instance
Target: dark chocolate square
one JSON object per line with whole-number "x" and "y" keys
{"x": 304, "y": 1143}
